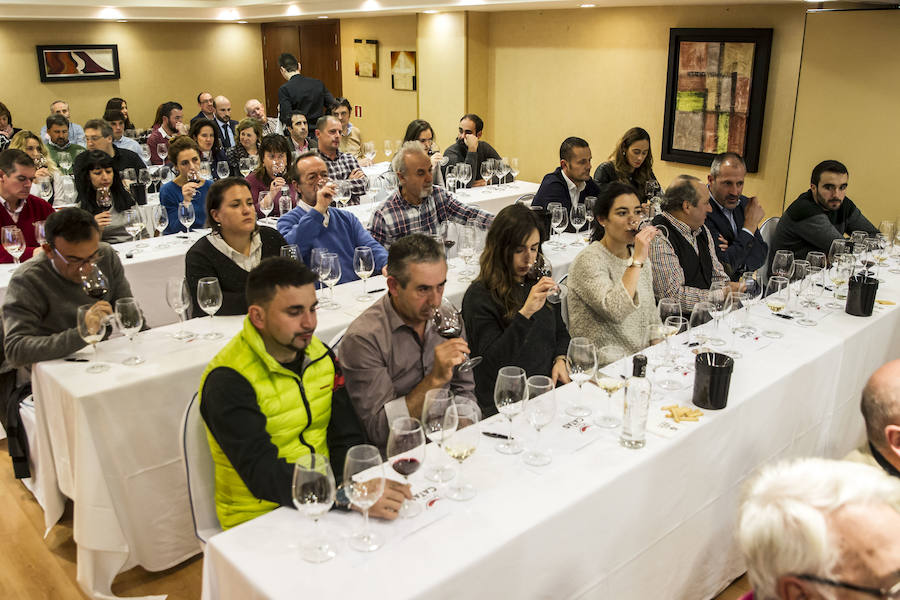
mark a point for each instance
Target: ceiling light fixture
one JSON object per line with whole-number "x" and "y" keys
{"x": 110, "y": 13}
{"x": 371, "y": 5}
{"x": 242, "y": 22}
{"x": 430, "y": 12}
{"x": 588, "y": 5}
{"x": 229, "y": 14}
{"x": 322, "y": 17}
{"x": 121, "y": 21}
{"x": 293, "y": 10}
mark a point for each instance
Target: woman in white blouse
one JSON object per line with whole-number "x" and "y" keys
{"x": 611, "y": 283}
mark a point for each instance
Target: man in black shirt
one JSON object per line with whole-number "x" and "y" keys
{"x": 308, "y": 95}
{"x": 470, "y": 149}
{"x": 99, "y": 136}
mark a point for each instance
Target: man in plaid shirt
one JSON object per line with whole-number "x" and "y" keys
{"x": 418, "y": 206}
{"x": 340, "y": 164}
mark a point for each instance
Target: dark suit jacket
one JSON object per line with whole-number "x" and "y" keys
{"x": 553, "y": 188}
{"x": 231, "y": 141}
{"x": 306, "y": 94}
{"x": 197, "y": 117}
{"x": 745, "y": 252}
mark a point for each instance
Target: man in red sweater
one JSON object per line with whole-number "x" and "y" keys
{"x": 19, "y": 207}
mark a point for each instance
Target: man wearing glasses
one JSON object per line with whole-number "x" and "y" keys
{"x": 99, "y": 136}
{"x": 822, "y": 530}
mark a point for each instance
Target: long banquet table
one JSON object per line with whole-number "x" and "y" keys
{"x": 601, "y": 521}
{"x": 113, "y": 439}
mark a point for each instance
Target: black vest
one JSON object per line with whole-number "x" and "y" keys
{"x": 697, "y": 269}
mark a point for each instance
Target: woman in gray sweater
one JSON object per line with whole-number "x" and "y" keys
{"x": 610, "y": 282}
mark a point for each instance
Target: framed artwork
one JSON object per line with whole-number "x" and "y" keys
{"x": 366, "y": 54}
{"x": 75, "y": 62}
{"x": 715, "y": 94}
{"x": 403, "y": 70}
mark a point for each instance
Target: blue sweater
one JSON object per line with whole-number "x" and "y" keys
{"x": 343, "y": 234}
{"x": 170, "y": 197}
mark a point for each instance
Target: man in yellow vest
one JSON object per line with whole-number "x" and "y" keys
{"x": 274, "y": 393}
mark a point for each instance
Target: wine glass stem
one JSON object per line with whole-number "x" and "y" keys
{"x": 365, "y": 285}
{"x": 509, "y": 441}
{"x": 331, "y": 291}
{"x": 609, "y": 404}
{"x": 366, "y": 523}
{"x": 94, "y": 354}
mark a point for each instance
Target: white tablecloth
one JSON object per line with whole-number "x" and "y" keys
{"x": 602, "y": 521}
{"x": 115, "y": 442}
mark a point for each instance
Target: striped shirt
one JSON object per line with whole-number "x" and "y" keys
{"x": 340, "y": 168}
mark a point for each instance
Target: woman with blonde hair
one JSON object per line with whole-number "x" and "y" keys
{"x": 631, "y": 162}
{"x": 46, "y": 169}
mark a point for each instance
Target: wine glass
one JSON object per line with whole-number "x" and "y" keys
{"x": 777, "y": 298}
{"x": 510, "y": 393}
{"x": 144, "y": 178}
{"x": 179, "y": 299}
{"x": 406, "y": 453}
{"x": 209, "y": 297}
{"x": 464, "y": 175}
{"x": 134, "y": 224}
{"x": 330, "y": 274}
{"x": 514, "y": 168}
{"x": 244, "y": 166}
{"x": 668, "y": 374}
{"x": 541, "y": 267}
{"x": 290, "y": 251}
{"x": 811, "y": 287}
{"x": 145, "y": 153}
{"x": 186, "y": 216}
{"x": 439, "y": 424}
{"x": 130, "y": 320}
{"x": 734, "y": 302}
{"x": 540, "y": 410}
{"x": 92, "y": 329}
{"x": 284, "y": 202}
{"x": 313, "y": 491}
{"x": 578, "y": 218}
{"x": 799, "y": 271}
{"x": 718, "y": 292}
{"x": 64, "y": 161}
{"x": 462, "y": 443}
{"x": 558, "y": 223}
{"x": 781, "y": 264}
{"x": 364, "y": 484}
{"x": 840, "y": 272}
{"x": 13, "y": 241}
{"x": 104, "y": 200}
{"x": 160, "y": 222}
{"x": 369, "y": 150}
{"x": 701, "y": 314}
{"x": 753, "y": 290}
{"x": 40, "y": 235}
{"x": 266, "y": 204}
{"x": 222, "y": 169}
{"x": 342, "y": 192}
{"x": 501, "y": 168}
{"x": 205, "y": 170}
{"x": 449, "y": 323}
{"x": 581, "y": 359}
{"x": 93, "y": 281}
{"x": 68, "y": 190}
{"x": 162, "y": 150}
{"x": 487, "y": 173}
{"x": 388, "y": 149}
{"x": 817, "y": 259}
{"x": 468, "y": 241}
{"x": 363, "y": 266}
{"x": 447, "y": 232}
{"x": 45, "y": 188}
{"x": 668, "y": 307}
{"x": 610, "y": 382}
{"x": 837, "y": 248}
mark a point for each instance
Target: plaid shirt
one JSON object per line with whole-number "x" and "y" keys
{"x": 668, "y": 276}
{"x": 340, "y": 168}
{"x": 397, "y": 218}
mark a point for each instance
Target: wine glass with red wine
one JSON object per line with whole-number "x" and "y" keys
{"x": 449, "y": 325}
{"x": 406, "y": 453}
{"x": 93, "y": 281}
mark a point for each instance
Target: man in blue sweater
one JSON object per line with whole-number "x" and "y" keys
{"x": 315, "y": 224}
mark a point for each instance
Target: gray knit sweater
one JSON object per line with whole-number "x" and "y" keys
{"x": 41, "y": 307}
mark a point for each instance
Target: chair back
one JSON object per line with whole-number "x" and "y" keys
{"x": 525, "y": 199}
{"x": 766, "y": 232}
{"x": 200, "y": 471}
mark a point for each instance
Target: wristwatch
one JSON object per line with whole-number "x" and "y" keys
{"x": 634, "y": 263}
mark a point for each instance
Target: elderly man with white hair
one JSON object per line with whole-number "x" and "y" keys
{"x": 419, "y": 206}
{"x": 256, "y": 110}
{"x": 820, "y": 529}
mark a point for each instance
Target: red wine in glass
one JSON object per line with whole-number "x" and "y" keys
{"x": 406, "y": 466}
{"x": 448, "y": 323}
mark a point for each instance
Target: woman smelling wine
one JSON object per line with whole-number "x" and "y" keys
{"x": 507, "y": 317}
{"x": 274, "y": 172}
{"x": 631, "y": 162}
{"x": 188, "y": 187}
{"x": 46, "y": 169}
{"x": 101, "y": 193}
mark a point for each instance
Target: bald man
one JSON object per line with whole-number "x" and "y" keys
{"x": 881, "y": 410}
{"x": 255, "y": 110}
{"x": 224, "y": 121}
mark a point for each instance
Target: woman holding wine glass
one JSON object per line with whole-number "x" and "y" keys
{"x": 248, "y": 133}
{"x": 611, "y": 281}
{"x": 188, "y": 187}
{"x": 206, "y": 134}
{"x": 421, "y": 131}
{"x": 101, "y": 193}
{"x": 234, "y": 246}
{"x": 631, "y": 162}
{"x": 507, "y": 317}
{"x": 275, "y": 171}
{"x": 48, "y": 177}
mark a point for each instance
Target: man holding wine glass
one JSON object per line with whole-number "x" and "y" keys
{"x": 275, "y": 393}
{"x": 22, "y": 209}
{"x": 99, "y": 136}
{"x": 315, "y": 224}
{"x": 391, "y": 354}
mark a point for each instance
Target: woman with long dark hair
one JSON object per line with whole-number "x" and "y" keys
{"x": 631, "y": 162}
{"x": 421, "y": 131}
{"x": 122, "y": 106}
{"x": 611, "y": 297}
{"x": 275, "y": 171}
{"x": 206, "y": 134}
{"x": 97, "y": 182}
{"x": 508, "y": 319}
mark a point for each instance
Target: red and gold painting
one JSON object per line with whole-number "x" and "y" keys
{"x": 78, "y": 62}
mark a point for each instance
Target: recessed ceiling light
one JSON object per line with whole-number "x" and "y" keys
{"x": 371, "y": 5}
{"x": 110, "y": 13}
{"x": 243, "y": 22}
{"x": 322, "y": 17}
{"x": 588, "y": 5}
{"x": 430, "y": 12}
{"x": 229, "y": 14}
{"x": 293, "y": 10}
{"x": 121, "y": 21}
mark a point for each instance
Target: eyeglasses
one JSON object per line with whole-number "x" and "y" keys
{"x": 78, "y": 262}
{"x": 891, "y": 593}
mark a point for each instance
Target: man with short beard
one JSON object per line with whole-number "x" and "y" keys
{"x": 470, "y": 148}
{"x": 170, "y": 124}
{"x": 419, "y": 206}
{"x": 58, "y": 133}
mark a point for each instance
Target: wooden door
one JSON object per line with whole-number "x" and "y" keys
{"x": 277, "y": 38}
{"x": 320, "y": 53}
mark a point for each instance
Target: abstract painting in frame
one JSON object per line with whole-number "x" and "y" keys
{"x": 74, "y": 62}
{"x": 716, "y": 94}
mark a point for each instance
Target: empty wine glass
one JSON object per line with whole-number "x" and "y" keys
{"x": 461, "y": 444}
{"x": 449, "y": 324}
{"x": 330, "y": 274}
{"x": 558, "y": 222}
{"x": 581, "y": 359}
{"x": 179, "y": 299}
{"x": 209, "y": 297}
{"x": 810, "y": 288}
{"x": 145, "y": 153}
{"x": 134, "y": 223}
{"x": 92, "y": 329}
{"x": 364, "y": 485}
{"x": 439, "y": 424}
{"x": 222, "y": 169}
{"x": 388, "y": 149}
{"x": 510, "y": 393}
{"x": 40, "y": 235}
{"x": 781, "y": 264}
{"x": 468, "y": 242}
{"x": 205, "y": 170}
{"x": 501, "y": 168}
{"x": 777, "y": 298}
{"x": 313, "y": 491}
{"x": 610, "y": 380}
{"x": 160, "y": 222}
{"x": 701, "y": 314}
{"x": 578, "y": 218}
{"x": 718, "y": 292}
{"x": 162, "y": 150}
{"x": 406, "y": 453}
{"x": 668, "y": 375}
{"x": 448, "y": 233}
{"x": 487, "y": 173}
{"x": 64, "y": 160}
{"x": 668, "y": 307}
{"x": 130, "y": 320}
{"x": 369, "y": 150}
{"x": 540, "y": 410}
{"x": 363, "y": 266}
{"x": 817, "y": 259}
{"x": 13, "y": 241}
{"x": 266, "y": 204}
{"x": 284, "y": 202}
{"x": 753, "y": 291}
{"x": 45, "y": 188}
{"x": 541, "y": 267}
{"x": 464, "y": 173}
{"x": 186, "y": 216}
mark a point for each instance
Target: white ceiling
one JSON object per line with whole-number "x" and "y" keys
{"x": 266, "y": 11}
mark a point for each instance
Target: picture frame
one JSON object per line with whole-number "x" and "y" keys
{"x": 715, "y": 94}
{"x": 403, "y": 70}
{"x": 78, "y": 62}
{"x": 365, "y": 54}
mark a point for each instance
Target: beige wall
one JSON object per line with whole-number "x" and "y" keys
{"x": 386, "y": 111}
{"x": 151, "y": 60}
{"x": 847, "y": 106}
{"x": 442, "y": 72}
{"x": 595, "y": 73}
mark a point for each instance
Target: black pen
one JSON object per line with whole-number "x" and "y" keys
{"x": 375, "y": 291}
{"x": 499, "y": 436}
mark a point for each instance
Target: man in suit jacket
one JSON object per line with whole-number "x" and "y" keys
{"x": 735, "y": 218}
{"x": 207, "y": 107}
{"x": 224, "y": 121}
{"x": 571, "y": 182}
{"x": 306, "y": 94}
